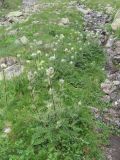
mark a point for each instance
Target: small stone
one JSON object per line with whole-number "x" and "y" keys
{"x": 116, "y": 59}
{"x": 107, "y": 87}
{"x": 116, "y": 83}
{"x": 64, "y": 22}
{"x": 117, "y": 44}
{"x": 116, "y": 103}
{"x": 110, "y": 42}
{"x": 24, "y": 40}
{"x": 117, "y": 50}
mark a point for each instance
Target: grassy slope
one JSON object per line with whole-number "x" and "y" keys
{"x": 30, "y": 117}
{"x": 97, "y": 3}
{"x": 9, "y": 6}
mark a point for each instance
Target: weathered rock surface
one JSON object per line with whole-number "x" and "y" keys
{"x": 11, "y": 72}
{"x": 64, "y": 22}
{"x": 82, "y": 9}
{"x": 14, "y": 14}
{"x": 24, "y": 40}
{"x": 109, "y": 9}
{"x": 116, "y": 23}
{"x": 12, "y": 68}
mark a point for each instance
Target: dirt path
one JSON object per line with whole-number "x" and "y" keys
{"x": 95, "y": 23}
{"x": 113, "y": 150}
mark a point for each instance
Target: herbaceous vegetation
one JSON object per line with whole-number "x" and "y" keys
{"x": 45, "y": 113}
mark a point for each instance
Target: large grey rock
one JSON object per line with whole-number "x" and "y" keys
{"x": 116, "y": 23}
{"x": 10, "y": 67}
{"x": 12, "y": 71}
{"x": 110, "y": 42}
{"x": 14, "y": 14}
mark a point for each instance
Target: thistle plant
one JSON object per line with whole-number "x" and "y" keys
{"x": 50, "y": 74}
{"x": 31, "y": 79}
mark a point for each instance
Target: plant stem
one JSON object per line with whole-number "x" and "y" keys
{"x": 5, "y": 88}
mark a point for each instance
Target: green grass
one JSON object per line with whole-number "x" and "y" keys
{"x": 56, "y": 126}
{"x": 103, "y": 3}
{"x": 9, "y": 6}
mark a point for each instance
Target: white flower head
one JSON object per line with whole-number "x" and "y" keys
{"x": 33, "y": 54}
{"x": 54, "y": 49}
{"x": 49, "y": 105}
{"x": 56, "y": 36}
{"x": 41, "y": 62}
{"x": 3, "y": 65}
{"x": 63, "y": 60}
{"x": 51, "y": 91}
{"x": 66, "y": 50}
{"x": 50, "y": 72}
{"x": 29, "y": 87}
{"x": 35, "y": 72}
{"x": 61, "y": 81}
{"x": 56, "y": 43}
{"x": 38, "y": 52}
{"x": 72, "y": 57}
{"x": 61, "y": 36}
{"x": 71, "y": 62}
{"x": 79, "y": 103}
{"x": 18, "y": 55}
{"x": 7, "y": 130}
{"x": 28, "y": 61}
{"x": 52, "y": 58}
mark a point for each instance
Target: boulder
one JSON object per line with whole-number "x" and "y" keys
{"x": 116, "y": 23}
{"x": 10, "y": 67}
{"x": 14, "y": 14}
{"x": 12, "y": 71}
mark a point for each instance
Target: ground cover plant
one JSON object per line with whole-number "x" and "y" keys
{"x": 45, "y": 113}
